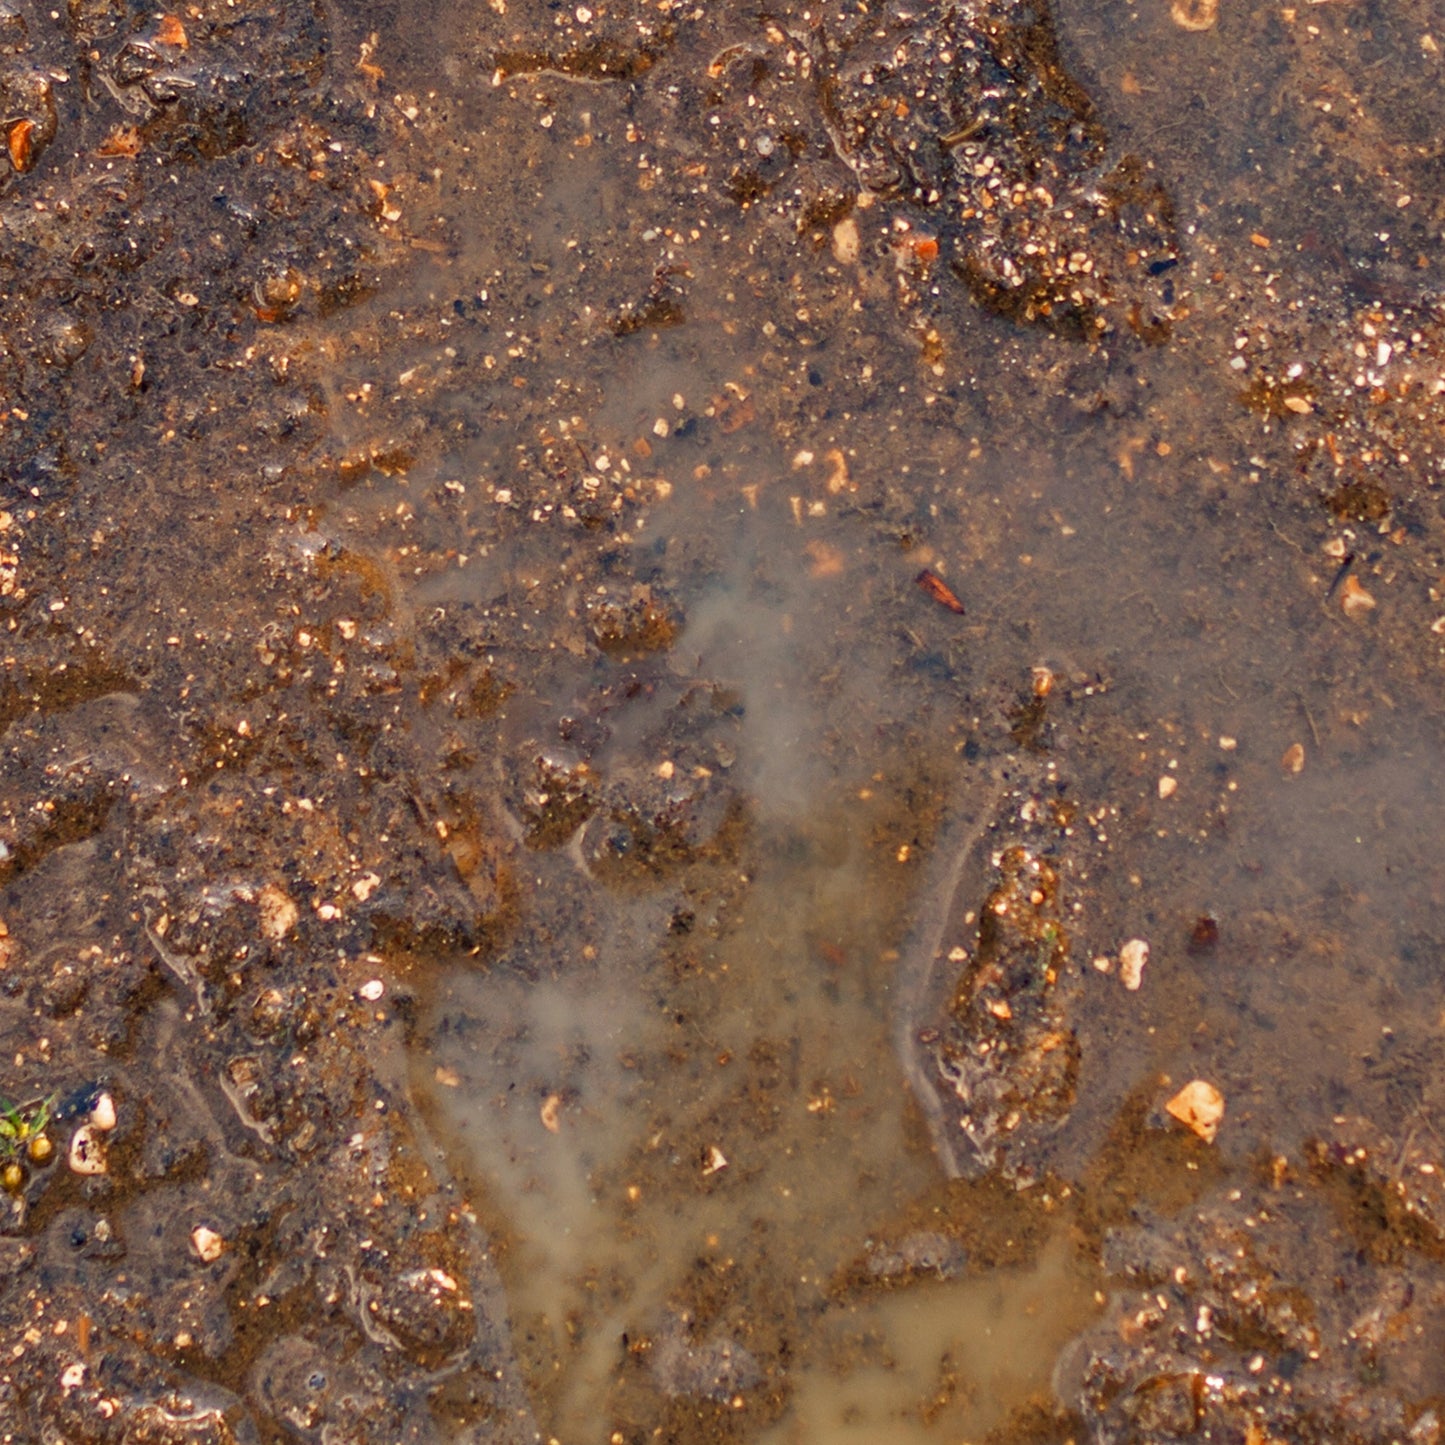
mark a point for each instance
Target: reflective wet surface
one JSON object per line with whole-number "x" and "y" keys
{"x": 667, "y": 672}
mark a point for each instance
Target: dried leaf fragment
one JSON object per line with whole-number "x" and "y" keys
{"x": 366, "y": 61}
{"x": 1199, "y": 1106}
{"x": 939, "y": 590}
{"x": 19, "y": 140}
{"x": 124, "y": 140}
{"x": 823, "y": 560}
{"x": 838, "y": 479}
{"x": 170, "y": 31}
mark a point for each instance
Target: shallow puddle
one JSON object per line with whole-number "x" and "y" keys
{"x": 679, "y": 667}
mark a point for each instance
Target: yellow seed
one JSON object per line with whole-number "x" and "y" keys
{"x": 12, "y": 1177}
{"x": 40, "y": 1149}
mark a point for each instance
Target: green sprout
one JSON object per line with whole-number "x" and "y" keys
{"x": 22, "y": 1130}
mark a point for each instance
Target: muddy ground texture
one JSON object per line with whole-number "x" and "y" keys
{"x": 306, "y": 314}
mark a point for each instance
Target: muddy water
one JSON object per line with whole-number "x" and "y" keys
{"x": 630, "y": 1110}
{"x": 627, "y": 1108}
{"x": 613, "y": 619}
{"x": 693, "y": 1097}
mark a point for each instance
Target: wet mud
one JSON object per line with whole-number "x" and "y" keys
{"x": 666, "y": 674}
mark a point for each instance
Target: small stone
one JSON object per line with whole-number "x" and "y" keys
{"x": 102, "y": 1113}
{"x": 372, "y": 990}
{"x": 1194, "y": 14}
{"x": 846, "y": 245}
{"x": 1293, "y": 760}
{"x": 1354, "y": 599}
{"x": 1199, "y": 1106}
{"x": 278, "y": 912}
{"x": 1205, "y": 933}
{"x": 1168, "y": 786}
{"x": 208, "y": 1245}
{"x": 87, "y": 1151}
{"x": 1132, "y": 958}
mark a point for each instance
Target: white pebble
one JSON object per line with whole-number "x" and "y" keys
{"x": 207, "y": 1244}
{"x": 1199, "y": 1106}
{"x": 102, "y": 1113}
{"x": 87, "y": 1151}
{"x": 1132, "y": 958}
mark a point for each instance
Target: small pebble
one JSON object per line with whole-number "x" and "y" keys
{"x": 845, "y": 241}
{"x": 1354, "y": 599}
{"x": 207, "y": 1244}
{"x": 372, "y": 990}
{"x": 87, "y": 1151}
{"x": 1293, "y": 760}
{"x": 1194, "y": 14}
{"x": 1168, "y": 786}
{"x": 1199, "y": 1106}
{"x": 102, "y": 1113}
{"x": 278, "y": 912}
{"x": 1132, "y": 958}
